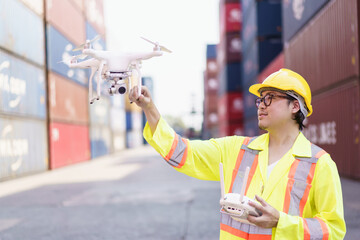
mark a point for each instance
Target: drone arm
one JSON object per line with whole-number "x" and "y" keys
{"x": 93, "y": 70}
{"x": 98, "y": 88}
{"x": 147, "y": 55}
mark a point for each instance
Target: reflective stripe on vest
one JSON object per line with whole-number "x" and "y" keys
{"x": 246, "y": 157}
{"x": 299, "y": 184}
{"x": 178, "y": 152}
{"x": 315, "y": 228}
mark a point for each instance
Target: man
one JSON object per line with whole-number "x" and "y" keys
{"x": 296, "y": 183}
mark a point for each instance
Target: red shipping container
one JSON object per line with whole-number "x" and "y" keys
{"x": 230, "y": 48}
{"x": 69, "y": 144}
{"x": 211, "y": 84}
{"x": 230, "y": 18}
{"x": 73, "y": 27}
{"x": 231, "y": 128}
{"x": 211, "y": 119}
{"x": 94, "y": 11}
{"x": 68, "y": 101}
{"x": 211, "y": 102}
{"x": 231, "y": 107}
{"x": 212, "y": 68}
{"x": 275, "y": 65}
{"x": 326, "y": 51}
{"x": 335, "y": 126}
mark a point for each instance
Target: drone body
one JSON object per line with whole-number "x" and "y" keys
{"x": 113, "y": 67}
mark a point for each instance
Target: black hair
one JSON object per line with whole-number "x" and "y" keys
{"x": 299, "y": 116}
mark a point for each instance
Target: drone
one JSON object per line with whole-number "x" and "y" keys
{"x": 113, "y": 67}
{"x": 237, "y": 205}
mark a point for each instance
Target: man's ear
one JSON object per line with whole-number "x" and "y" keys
{"x": 295, "y": 106}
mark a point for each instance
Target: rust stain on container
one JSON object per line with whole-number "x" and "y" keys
{"x": 68, "y": 100}
{"x": 326, "y": 51}
{"x": 335, "y": 126}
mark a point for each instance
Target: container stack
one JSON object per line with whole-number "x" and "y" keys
{"x": 230, "y": 99}
{"x": 211, "y": 85}
{"x": 322, "y": 44}
{"x": 23, "y": 112}
{"x": 262, "y": 43}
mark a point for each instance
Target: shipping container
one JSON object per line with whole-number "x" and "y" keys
{"x": 133, "y": 121}
{"x": 211, "y": 51}
{"x": 22, "y": 35}
{"x": 94, "y": 11}
{"x": 326, "y": 51}
{"x": 23, "y": 147}
{"x": 22, "y": 87}
{"x": 231, "y": 129}
{"x": 79, "y": 4}
{"x": 250, "y": 110}
{"x": 231, "y": 107}
{"x": 69, "y": 144}
{"x": 118, "y": 141}
{"x": 73, "y": 28}
{"x": 211, "y": 84}
{"x": 35, "y": 5}
{"x": 230, "y": 79}
{"x": 262, "y": 21}
{"x": 251, "y": 127}
{"x": 230, "y": 48}
{"x": 211, "y": 119}
{"x": 117, "y": 119}
{"x": 297, "y": 14}
{"x": 230, "y": 18}
{"x": 259, "y": 56}
{"x": 273, "y": 66}
{"x": 59, "y": 49}
{"x": 68, "y": 101}
{"x": 92, "y": 33}
{"x": 134, "y": 138}
{"x": 335, "y": 126}
{"x": 212, "y": 68}
{"x": 100, "y": 112}
{"x": 100, "y": 141}
{"x": 211, "y": 102}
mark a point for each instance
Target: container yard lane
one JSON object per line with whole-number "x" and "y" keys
{"x": 130, "y": 195}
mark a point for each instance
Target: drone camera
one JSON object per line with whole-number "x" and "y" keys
{"x": 117, "y": 89}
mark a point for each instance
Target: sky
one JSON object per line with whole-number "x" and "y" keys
{"x": 183, "y": 26}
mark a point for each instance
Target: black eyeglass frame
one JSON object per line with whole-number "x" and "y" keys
{"x": 269, "y": 96}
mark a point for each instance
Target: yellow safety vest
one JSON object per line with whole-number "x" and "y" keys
{"x": 304, "y": 186}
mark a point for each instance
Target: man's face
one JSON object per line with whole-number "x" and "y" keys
{"x": 277, "y": 113}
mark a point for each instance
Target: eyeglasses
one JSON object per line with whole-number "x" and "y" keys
{"x": 268, "y": 98}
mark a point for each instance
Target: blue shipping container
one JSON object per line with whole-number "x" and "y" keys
{"x": 230, "y": 78}
{"x": 250, "y": 109}
{"x": 297, "y": 14}
{"x": 129, "y": 122}
{"x": 60, "y": 49}
{"x": 22, "y": 87}
{"x": 210, "y": 51}
{"x": 100, "y": 112}
{"x": 23, "y": 147}
{"x": 100, "y": 141}
{"x": 263, "y": 21}
{"x": 251, "y": 127}
{"x": 260, "y": 54}
{"x": 22, "y": 31}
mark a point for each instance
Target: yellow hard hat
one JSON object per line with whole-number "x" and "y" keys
{"x": 286, "y": 80}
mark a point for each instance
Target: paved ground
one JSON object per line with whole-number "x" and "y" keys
{"x": 133, "y": 195}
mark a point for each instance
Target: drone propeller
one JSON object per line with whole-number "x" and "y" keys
{"x": 81, "y": 47}
{"x": 162, "y": 48}
{"x": 80, "y": 56}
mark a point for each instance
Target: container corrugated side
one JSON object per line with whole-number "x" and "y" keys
{"x": 100, "y": 112}
{"x": 231, "y": 128}
{"x": 72, "y": 26}
{"x": 23, "y": 147}
{"x": 230, "y": 48}
{"x": 94, "y": 11}
{"x": 297, "y": 14}
{"x": 326, "y": 51}
{"x": 100, "y": 141}
{"x": 22, "y": 87}
{"x": 69, "y": 144}
{"x": 60, "y": 49}
{"x": 230, "y": 17}
{"x": 22, "y": 35}
{"x": 36, "y": 5}
{"x": 251, "y": 126}
{"x": 231, "y": 107}
{"x": 274, "y": 65}
{"x": 68, "y": 101}
{"x": 230, "y": 79}
{"x": 335, "y": 126}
